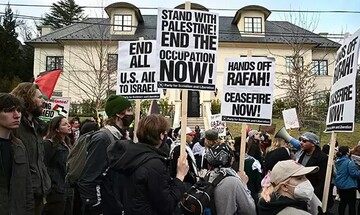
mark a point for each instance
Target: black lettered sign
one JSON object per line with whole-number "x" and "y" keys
{"x": 187, "y": 43}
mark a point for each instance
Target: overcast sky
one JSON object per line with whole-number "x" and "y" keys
{"x": 333, "y": 23}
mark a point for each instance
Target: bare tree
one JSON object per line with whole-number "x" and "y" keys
{"x": 93, "y": 76}
{"x": 298, "y": 78}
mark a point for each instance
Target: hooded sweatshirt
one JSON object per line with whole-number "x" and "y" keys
{"x": 147, "y": 187}
{"x": 282, "y": 205}
{"x": 347, "y": 173}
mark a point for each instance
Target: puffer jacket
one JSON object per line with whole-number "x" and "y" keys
{"x": 147, "y": 187}
{"x": 347, "y": 173}
{"x": 32, "y": 139}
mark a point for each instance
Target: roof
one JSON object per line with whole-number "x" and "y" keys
{"x": 277, "y": 32}
{"x": 264, "y": 10}
{"x": 116, "y": 5}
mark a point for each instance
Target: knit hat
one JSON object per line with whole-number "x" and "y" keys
{"x": 116, "y": 104}
{"x": 289, "y": 168}
{"x": 219, "y": 155}
{"x": 188, "y": 132}
{"x": 212, "y": 134}
{"x": 311, "y": 137}
{"x": 252, "y": 133}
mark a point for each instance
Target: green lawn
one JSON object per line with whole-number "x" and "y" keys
{"x": 349, "y": 139}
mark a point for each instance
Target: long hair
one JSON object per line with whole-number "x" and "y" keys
{"x": 150, "y": 128}
{"x": 53, "y": 134}
{"x": 26, "y": 92}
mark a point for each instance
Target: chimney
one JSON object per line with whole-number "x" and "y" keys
{"x": 45, "y": 29}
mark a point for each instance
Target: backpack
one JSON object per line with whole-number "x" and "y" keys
{"x": 199, "y": 199}
{"x": 77, "y": 157}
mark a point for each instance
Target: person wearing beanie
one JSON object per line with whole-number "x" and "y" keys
{"x": 311, "y": 155}
{"x": 97, "y": 180}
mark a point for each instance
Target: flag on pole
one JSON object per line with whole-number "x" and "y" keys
{"x": 47, "y": 81}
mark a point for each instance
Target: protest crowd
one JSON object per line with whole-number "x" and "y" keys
{"x": 71, "y": 167}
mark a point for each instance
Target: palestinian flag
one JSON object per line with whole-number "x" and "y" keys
{"x": 47, "y": 81}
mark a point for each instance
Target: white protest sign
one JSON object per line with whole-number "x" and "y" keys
{"x": 57, "y": 106}
{"x": 341, "y": 112}
{"x": 187, "y": 43}
{"x": 137, "y": 77}
{"x": 248, "y": 90}
{"x": 217, "y": 124}
{"x": 290, "y": 118}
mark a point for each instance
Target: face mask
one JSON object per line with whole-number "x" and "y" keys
{"x": 127, "y": 120}
{"x": 303, "y": 191}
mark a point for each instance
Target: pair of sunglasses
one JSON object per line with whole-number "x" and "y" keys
{"x": 303, "y": 139}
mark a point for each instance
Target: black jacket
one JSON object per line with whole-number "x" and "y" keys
{"x": 31, "y": 136}
{"x": 55, "y": 160}
{"x": 147, "y": 187}
{"x": 19, "y": 199}
{"x": 97, "y": 182}
{"x": 278, "y": 203}
{"x": 318, "y": 158}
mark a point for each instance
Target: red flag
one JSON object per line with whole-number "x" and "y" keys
{"x": 47, "y": 81}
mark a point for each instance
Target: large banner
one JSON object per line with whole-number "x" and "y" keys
{"x": 137, "y": 77}
{"x": 57, "y": 106}
{"x": 187, "y": 43}
{"x": 341, "y": 112}
{"x": 248, "y": 90}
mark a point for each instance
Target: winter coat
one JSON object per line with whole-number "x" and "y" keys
{"x": 97, "y": 182}
{"x": 55, "y": 159}
{"x": 147, "y": 187}
{"x": 19, "y": 199}
{"x": 31, "y": 136}
{"x": 282, "y": 205}
{"x": 347, "y": 173}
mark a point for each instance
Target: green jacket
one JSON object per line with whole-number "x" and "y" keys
{"x": 19, "y": 199}
{"x": 32, "y": 139}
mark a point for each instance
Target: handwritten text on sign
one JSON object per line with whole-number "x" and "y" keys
{"x": 187, "y": 45}
{"x": 248, "y": 88}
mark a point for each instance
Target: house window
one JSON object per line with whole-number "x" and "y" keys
{"x": 320, "y": 67}
{"x": 112, "y": 62}
{"x": 293, "y": 63}
{"x": 122, "y": 22}
{"x": 54, "y": 62}
{"x": 253, "y": 25}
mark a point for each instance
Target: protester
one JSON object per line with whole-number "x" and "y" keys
{"x": 192, "y": 175}
{"x": 57, "y": 148}
{"x": 253, "y": 142}
{"x": 75, "y": 129}
{"x": 88, "y": 126}
{"x": 311, "y": 155}
{"x": 346, "y": 180}
{"x": 96, "y": 182}
{"x": 147, "y": 185}
{"x": 15, "y": 181}
{"x": 288, "y": 191}
{"x": 231, "y": 195}
{"x": 30, "y": 133}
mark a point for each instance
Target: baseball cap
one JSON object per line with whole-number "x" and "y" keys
{"x": 311, "y": 137}
{"x": 212, "y": 134}
{"x": 289, "y": 168}
{"x": 188, "y": 132}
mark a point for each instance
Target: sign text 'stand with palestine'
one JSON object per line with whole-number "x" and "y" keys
{"x": 137, "y": 77}
{"x": 341, "y": 112}
{"x": 187, "y": 43}
{"x": 248, "y": 90}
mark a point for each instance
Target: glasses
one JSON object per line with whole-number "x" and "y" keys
{"x": 303, "y": 139}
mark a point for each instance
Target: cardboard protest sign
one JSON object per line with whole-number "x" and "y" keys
{"x": 57, "y": 106}
{"x": 248, "y": 90}
{"x": 217, "y": 124}
{"x": 187, "y": 43}
{"x": 137, "y": 77}
{"x": 341, "y": 112}
{"x": 290, "y": 118}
